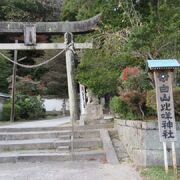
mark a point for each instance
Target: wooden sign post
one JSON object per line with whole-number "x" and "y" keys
{"x": 165, "y": 109}
{"x": 163, "y": 76}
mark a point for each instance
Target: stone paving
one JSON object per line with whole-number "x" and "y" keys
{"x": 68, "y": 171}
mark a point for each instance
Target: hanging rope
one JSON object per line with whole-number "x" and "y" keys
{"x": 36, "y": 65}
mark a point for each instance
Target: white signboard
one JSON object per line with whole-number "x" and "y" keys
{"x": 82, "y": 98}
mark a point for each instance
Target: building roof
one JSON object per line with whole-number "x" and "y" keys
{"x": 163, "y": 64}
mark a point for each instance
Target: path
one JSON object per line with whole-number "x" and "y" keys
{"x": 48, "y": 170}
{"x": 67, "y": 171}
{"x": 40, "y": 123}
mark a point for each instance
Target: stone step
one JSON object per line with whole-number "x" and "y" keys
{"x": 63, "y": 148}
{"x": 35, "y": 135}
{"x": 28, "y": 156}
{"x": 32, "y": 129}
{"x": 89, "y": 133}
{"x": 86, "y": 127}
{"x": 40, "y": 151}
{"x": 48, "y": 144}
{"x": 65, "y": 134}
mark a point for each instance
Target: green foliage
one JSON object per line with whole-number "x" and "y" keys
{"x": 134, "y": 105}
{"x": 26, "y": 107}
{"x": 115, "y": 14}
{"x": 158, "y": 173}
{"x": 100, "y": 68}
{"x": 31, "y": 107}
{"x": 134, "y": 79}
{"x": 130, "y": 32}
{"x": 27, "y": 10}
{"x": 7, "y": 111}
{"x": 151, "y": 99}
{"x": 133, "y": 84}
{"x": 116, "y": 104}
{"x": 33, "y": 11}
{"x": 120, "y": 107}
{"x": 158, "y": 35}
{"x": 5, "y": 72}
{"x": 100, "y": 74}
{"x": 140, "y": 83}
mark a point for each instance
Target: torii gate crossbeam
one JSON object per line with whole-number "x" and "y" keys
{"x": 42, "y": 46}
{"x": 52, "y": 27}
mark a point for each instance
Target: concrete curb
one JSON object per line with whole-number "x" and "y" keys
{"x": 108, "y": 147}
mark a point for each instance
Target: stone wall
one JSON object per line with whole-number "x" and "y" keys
{"x": 141, "y": 140}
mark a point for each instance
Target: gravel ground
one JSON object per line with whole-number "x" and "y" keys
{"x": 68, "y": 171}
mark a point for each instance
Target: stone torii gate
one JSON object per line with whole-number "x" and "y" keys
{"x": 31, "y": 29}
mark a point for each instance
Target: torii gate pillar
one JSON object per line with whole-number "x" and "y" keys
{"x": 70, "y": 66}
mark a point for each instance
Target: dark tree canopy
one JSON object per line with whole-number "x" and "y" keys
{"x": 53, "y": 76}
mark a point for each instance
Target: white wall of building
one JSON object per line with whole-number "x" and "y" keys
{"x": 55, "y": 104}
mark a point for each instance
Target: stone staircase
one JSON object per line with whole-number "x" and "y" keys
{"x": 51, "y": 144}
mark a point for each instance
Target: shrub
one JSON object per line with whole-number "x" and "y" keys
{"x": 7, "y": 112}
{"x": 134, "y": 79}
{"x": 27, "y": 107}
{"x": 151, "y": 101}
{"x": 118, "y": 106}
{"x": 31, "y": 107}
{"x": 115, "y": 104}
{"x": 136, "y": 102}
{"x": 150, "y": 113}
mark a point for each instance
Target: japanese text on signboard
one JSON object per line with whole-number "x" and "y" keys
{"x": 165, "y": 106}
